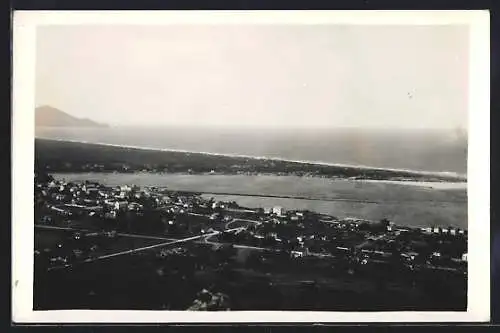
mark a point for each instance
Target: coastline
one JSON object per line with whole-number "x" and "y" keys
{"x": 405, "y": 205}
{"x": 461, "y": 178}
{"x": 436, "y": 185}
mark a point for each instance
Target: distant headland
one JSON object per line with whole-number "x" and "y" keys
{"x": 48, "y": 116}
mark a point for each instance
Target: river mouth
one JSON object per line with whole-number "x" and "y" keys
{"x": 405, "y": 204}
{"x": 429, "y": 185}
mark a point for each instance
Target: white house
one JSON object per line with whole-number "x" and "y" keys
{"x": 121, "y": 205}
{"x": 436, "y": 254}
{"x": 427, "y": 230}
{"x": 278, "y": 210}
{"x": 125, "y": 188}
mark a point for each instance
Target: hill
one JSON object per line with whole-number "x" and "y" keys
{"x": 47, "y": 116}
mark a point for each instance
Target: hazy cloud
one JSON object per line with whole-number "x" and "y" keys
{"x": 312, "y": 76}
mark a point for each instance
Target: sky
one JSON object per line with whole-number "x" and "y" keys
{"x": 311, "y": 76}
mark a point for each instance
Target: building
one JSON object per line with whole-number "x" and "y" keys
{"x": 93, "y": 192}
{"x": 436, "y": 254}
{"x": 389, "y": 226}
{"x": 280, "y": 211}
{"x": 427, "y": 230}
{"x": 296, "y": 254}
{"x": 121, "y": 205}
{"x": 464, "y": 256}
{"x": 46, "y": 219}
{"x": 110, "y": 215}
{"x": 410, "y": 255}
{"x": 96, "y": 209}
{"x": 89, "y": 187}
{"x": 342, "y": 250}
{"x": 273, "y": 235}
{"x": 110, "y": 202}
{"x": 103, "y": 194}
{"x": 111, "y": 234}
{"x": 125, "y": 188}
{"x": 135, "y": 206}
{"x": 60, "y": 211}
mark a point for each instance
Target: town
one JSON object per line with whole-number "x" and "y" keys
{"x": 214, "y": 251}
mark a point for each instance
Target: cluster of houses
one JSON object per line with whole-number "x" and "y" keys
{"x": 439, "y": 230}
{"x": 69, "y": 198}
{"x": 387, "y": 234}
{"x": 92, "y": 198}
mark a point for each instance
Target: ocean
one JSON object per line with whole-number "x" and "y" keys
{"x": 418, "y": 150}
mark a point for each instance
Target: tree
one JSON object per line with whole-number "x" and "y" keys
{"x": 384, "y": 224}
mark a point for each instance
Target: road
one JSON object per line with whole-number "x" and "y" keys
{"x": 42, "y": 226}
{"x": 244, "y": 220}
{"x": 145, "y": 248}
{"x": 171, "y": 242}
{"x": 150, "y": 247}
{"x": 248, "y": 247}
{"x": 369, "y": 241}
{"x": 91, "y": 231}
{"x": 237, "y": 246}
{"x": 205, "y": 237}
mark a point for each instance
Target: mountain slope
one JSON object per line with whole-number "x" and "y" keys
{"x": 47, "y": 116}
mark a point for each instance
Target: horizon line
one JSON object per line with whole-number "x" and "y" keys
{"x": 264, "y": 125}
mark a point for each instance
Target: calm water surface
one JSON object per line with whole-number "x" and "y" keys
{"x": 405, "y": 204}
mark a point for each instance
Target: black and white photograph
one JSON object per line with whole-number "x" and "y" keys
{"x": 251, "y": 166}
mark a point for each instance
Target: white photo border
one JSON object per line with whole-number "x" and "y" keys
{"x": 24, "y": 41}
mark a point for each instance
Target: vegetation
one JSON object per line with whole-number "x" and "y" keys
{"x": 58, "y": 156}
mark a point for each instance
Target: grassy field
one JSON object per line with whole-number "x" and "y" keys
{"x": 143, "y": 281}
{"x": 50, "y": 239}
